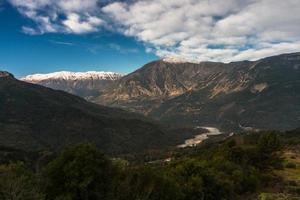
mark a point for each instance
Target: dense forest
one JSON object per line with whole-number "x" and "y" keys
{"x": 263, "y": 165}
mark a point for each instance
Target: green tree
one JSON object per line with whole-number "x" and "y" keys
{"x": 80, "y": 172}
{"x": 269, "y": 142}
{"x": 18, "y": 183}
{"x": 145, "y": 183}
{"x": 269, "y": 147}
{"x": 197, "y": 180}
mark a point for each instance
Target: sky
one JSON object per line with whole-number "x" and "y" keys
{"x": 41, "y": 36}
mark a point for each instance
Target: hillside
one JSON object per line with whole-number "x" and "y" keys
{"x": 253, "y": 166}
{"x": 263, "y": 94}
{"x": 34, "y": 117}
{"x": 154, "y": 83}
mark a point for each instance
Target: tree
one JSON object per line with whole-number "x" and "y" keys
{"x": 145, "y": 183}
{"x": 17, "y": 183}
{"x": 269, "y": 143}
{"x": 269, "y": 147}
{"x": 80, "y": 172}
{"x": 198, "y": 180}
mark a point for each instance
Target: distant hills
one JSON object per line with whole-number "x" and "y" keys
{"x": 85, "y": 84}
{"x": 246, "y": 95}
{"x": 33, "y": 117}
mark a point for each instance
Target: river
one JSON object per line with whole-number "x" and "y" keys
{"x": 199, "y": 138}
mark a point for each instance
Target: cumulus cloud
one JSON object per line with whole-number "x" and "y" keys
{"x": 195, "y": 30}
{"x": 211, "y": 29}
{"x": 74, "y": 24}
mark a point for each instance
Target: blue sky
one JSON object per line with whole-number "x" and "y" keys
{"x": 23, "y": 54}
{"x": 40, "y": 36}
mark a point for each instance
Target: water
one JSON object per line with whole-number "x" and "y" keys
{"x": 200, "y": 138}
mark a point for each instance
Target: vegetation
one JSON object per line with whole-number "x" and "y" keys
{"x": 243, "y": 167}
{"x": 34, "y": 118}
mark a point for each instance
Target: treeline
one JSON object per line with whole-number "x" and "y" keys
{"x": 239, "y": 167}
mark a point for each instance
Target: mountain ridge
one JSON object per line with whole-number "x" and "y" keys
{"x": 178, "y": 92}
{"x": 214, "y": 94}
{"x": 68, "y": 75}
{"x": 84, "y": 84}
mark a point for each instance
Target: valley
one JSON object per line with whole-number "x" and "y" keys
{"x": 34, "y": 118}
{"x": 225, "y": 95}
{"x": 209, "y": 131}
{"x": 149, "y": 100}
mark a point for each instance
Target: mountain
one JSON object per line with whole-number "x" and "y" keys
{"x": 84, "y": 84}
{"x": 262, "y": 94}
{"x": 153, "y": 84}
{"x": 33, "y": 117}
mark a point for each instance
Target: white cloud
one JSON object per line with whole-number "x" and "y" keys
{"x": 266, "y": 50}
{"x": 197, "y": 30}
{"x": 77, "y": 5}
{"x": 76, "y": 25}
{"x": 211, "y": 29}
{"x": 29, "y": 30}
{"x": 62, "y": 43}
{"x": 71, "y": 16}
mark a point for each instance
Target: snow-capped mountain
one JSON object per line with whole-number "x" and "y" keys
{"x": 84, "y": 84}
{"x": 65, "y": 75}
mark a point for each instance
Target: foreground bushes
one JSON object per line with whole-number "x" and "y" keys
{"x": 18, "y": 183}
{"x": 226, "y": 171}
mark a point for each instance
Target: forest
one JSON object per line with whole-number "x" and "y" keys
{"x": 261, "y": 165}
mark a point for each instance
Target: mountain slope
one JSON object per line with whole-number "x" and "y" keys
{"x": 84, "y": 84}
{"x": 154, "y": 83}
{"x": 33, "y": 117}
{"x": 263, "y": 94}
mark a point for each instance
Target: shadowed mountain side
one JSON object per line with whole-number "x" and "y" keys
{"x": 33, "y": 117}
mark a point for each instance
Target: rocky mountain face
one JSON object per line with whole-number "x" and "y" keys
{"x": 84, "y": 84}
{"x": 263, "y": 94}
{"x": 33, "y": 117}
{"x": 155, "y": 83}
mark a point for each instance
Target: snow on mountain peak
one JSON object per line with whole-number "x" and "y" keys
{"x": 66, "y": 75}
{"x": 175, "y": 60}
